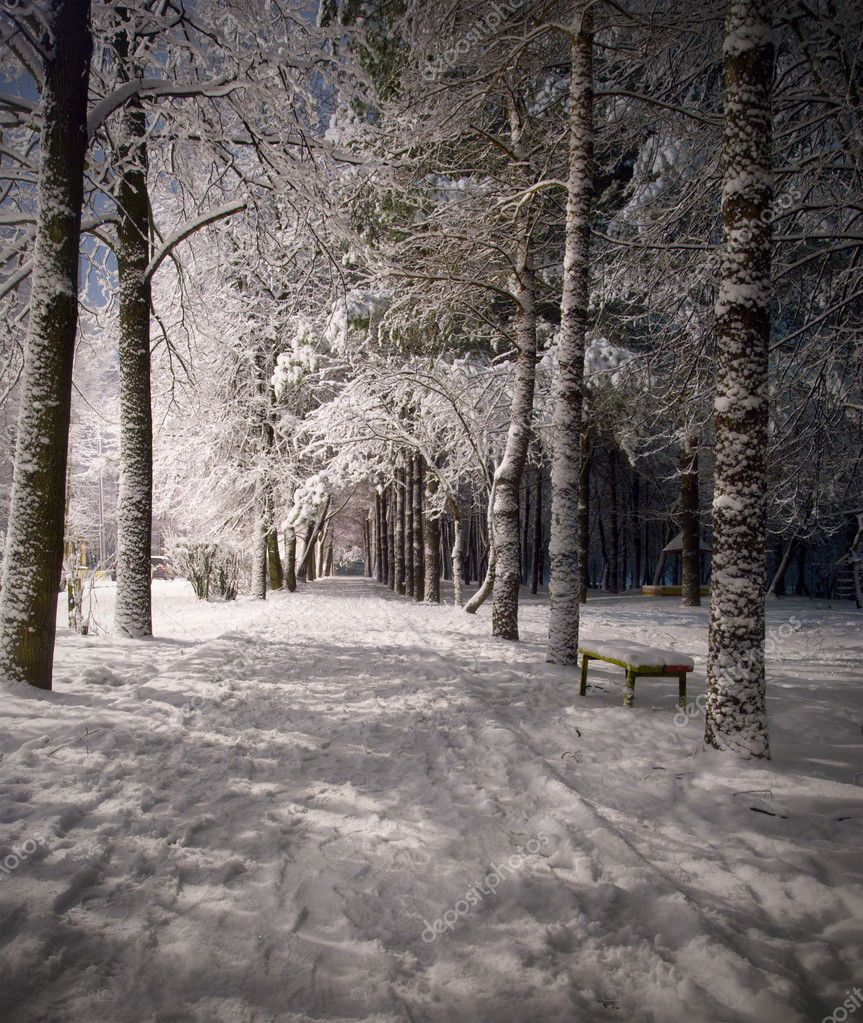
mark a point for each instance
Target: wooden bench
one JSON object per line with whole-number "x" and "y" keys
{"x": 638, "y": 660}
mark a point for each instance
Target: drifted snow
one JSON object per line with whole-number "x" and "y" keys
{"x": 254, "y": 815}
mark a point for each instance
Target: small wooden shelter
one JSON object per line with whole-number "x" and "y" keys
{"x": 674, "y": 548}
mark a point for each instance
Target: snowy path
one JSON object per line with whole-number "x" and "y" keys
{"x": 260, "y": 825}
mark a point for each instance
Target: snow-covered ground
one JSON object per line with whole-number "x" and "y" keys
{"x": 264, "y": 813}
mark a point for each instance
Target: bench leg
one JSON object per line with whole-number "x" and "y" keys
{"x": 681, "y": 691}
{"x": 629, "y": 694}
{"x": 583, "y": 688}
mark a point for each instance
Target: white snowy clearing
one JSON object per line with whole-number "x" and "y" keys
{"x": 261, "y": 814}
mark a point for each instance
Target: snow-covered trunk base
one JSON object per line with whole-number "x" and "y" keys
{"x": 564, "y": 584}
{"x": 691, "y": 553}
{"x": 34, "y": 548}
{"x": 133, "y": 614}
{"x": 736, "y": 717}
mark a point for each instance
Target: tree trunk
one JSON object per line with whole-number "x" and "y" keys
{"x": 446, "y": 548}
{"x": 505, "y": 510}
{"x": 637, "y": 545}
{"x": 274, "y": 558}
{"x": 418, "y": 544}
{"x": 800, "y": 589}
{"x": 259, "y": 552}
{"x": 583, "y": 513}
{"x": 777, "y": 585}
{"x": 736, "y": 713}
{"x": 381, "y": 538}
{"x": 323, "y": 538}
{"x": 133, "y": 608}
{"x": 34, "y": 548}
{"x": 391, "y": 537}
{"x": 659, "y": 574}
{"x": 409, "y": 525}
{"x": 691, "y": 553}
{"x": 536, "y": 567}
{"x": 564, "y": 579}
{"x": 307, "y": 562}
{"x": 431, "y": 588}
{"x": 485, "y": 590}
{"x": 457, "y": 553}
{"x": 290, "y": 560}
{"x": 524, "y": 550}
{"x": 613, "y": 522}
{"x": 399, "y": 534}
{"x": 377, "y": 571}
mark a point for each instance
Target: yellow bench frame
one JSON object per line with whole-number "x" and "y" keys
{"x": 632, "y": 673}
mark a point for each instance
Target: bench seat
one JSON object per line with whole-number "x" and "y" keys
{"x": 637, "y": 659}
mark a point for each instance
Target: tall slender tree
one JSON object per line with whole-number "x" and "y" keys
{"x": 34, "y": 548}
{"x": 565, "y": 585}
{"x": 736, "y": 712}
{"x": 133, "y": 614}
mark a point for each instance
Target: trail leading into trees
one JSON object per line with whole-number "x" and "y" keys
{"x": 267, "y": 823}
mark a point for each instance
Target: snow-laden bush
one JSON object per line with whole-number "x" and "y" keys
{"x": 209, "y": 565}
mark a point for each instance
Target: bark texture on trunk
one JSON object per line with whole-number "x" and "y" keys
{"x": 457, "y": 553}
{"x": 391, "y": 537}
{"x": 536, "y": 566}
{"x": 380, "y": 539}
{"x": 736, "y": 713}
{"x": 431, "y": 586}
{"x": 418, "y": 544}
{"x": 399, "y": 532}
{"x": 487, "y": 586}
{"x": 34, "y": 547}
{"x": 133, "y": 614}
{"x": 274, "y": 558}
{"x": 409, "y": 525}
{"x": 290, "y": 561}
{"x": 564, "y": 581}
{"x": 507, "y": 578}
{"x": 259, "y": 551}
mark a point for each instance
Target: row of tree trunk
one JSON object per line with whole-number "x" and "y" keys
{"x": 403, "y": 532}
